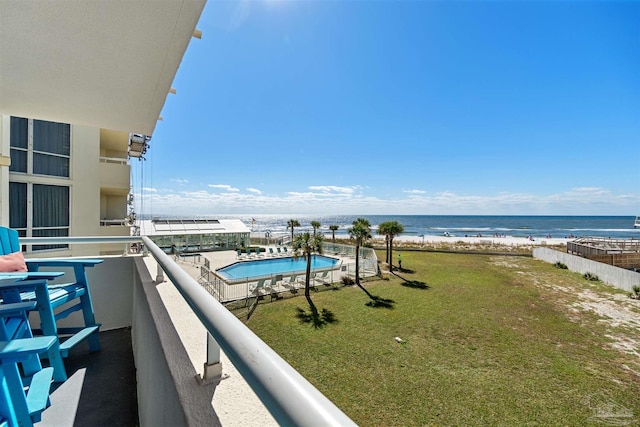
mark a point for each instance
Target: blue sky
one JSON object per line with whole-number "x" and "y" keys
{"x": 402, "y": 107}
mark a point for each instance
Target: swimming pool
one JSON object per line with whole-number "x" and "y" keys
{"x": 266, "y": 268}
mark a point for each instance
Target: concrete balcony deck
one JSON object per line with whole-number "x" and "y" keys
{"x": 101, "y": 389}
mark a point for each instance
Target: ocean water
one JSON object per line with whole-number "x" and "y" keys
{"x": 620, "y": 227}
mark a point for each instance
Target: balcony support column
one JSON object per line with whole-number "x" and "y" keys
{"x": 213, "y": 365}
{"x": 159, "y": 274}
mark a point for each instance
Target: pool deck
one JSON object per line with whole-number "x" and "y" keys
{"x": 224, "y": 258}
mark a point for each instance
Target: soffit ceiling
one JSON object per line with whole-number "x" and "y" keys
{"x": 99, "y": 63}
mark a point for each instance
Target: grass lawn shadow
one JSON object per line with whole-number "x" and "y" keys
{"x": 403, "y": 270}
{"x": 415, "y": 284}
{"x": 315, "y": 319}
{"x": 378, "y": 302}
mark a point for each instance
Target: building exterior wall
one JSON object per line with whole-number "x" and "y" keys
{"x": 112, "y": 207}
{"x": 5, "y": 156}
{"x": 89, "y": 200}
{"x": 85, "y": 182}
{"x": 201, "y": 242}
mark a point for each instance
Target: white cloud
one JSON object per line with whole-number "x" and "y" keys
{"x": 180, "y": 181}
{"x": 224, "y": 187}
{"x": 345, "y": 200}
{"x": 588, "y": 189}
{"x": 333, "y": 189}
{"x": 254, "y": 190}
{"x": 414, "y": 191}
{"x": 149, "y": 190}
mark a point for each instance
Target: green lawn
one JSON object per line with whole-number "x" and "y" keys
{"x": 492, "y": 341}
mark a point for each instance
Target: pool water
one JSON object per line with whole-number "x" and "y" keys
{"x": 275, "y": 266}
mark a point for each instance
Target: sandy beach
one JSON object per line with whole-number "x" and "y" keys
{"x": 479, "y": 240}
{"x": 441, "y": 240}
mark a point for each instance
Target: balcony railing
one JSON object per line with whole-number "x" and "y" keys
{"x": 115, "y": 175}
{"x": 288, "y": 396}
{"x": 113, "y": 222}
{"x": 116, "y": 160}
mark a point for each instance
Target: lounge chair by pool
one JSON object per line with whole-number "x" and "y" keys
{"x": 261, "y": 287}
{"x": 322, "y": 279}
{"x": 290, "y": 283}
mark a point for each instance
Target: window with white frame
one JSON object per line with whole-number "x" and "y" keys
{"x": 39, "y": 148}
{"x": 38, "y": 210}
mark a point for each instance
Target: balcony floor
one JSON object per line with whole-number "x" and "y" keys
{"x": 101, "y": 389}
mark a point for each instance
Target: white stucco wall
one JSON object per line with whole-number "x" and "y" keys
{"x": 111, "y": 289}
{"x": 614, "y": 276}
{"x": 85, "y": 186}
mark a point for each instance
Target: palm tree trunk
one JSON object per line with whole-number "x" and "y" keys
{"x": 307, "y": 293}
{"x": 386, "y": 242}
{"x": 391, "y": 254}
{"x": 358, "y": 263}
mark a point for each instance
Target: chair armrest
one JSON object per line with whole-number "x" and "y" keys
{"x": 17, "y": 308}
{"x": 43, "y": 275}
{"x": 27, "y": 279}
{"x": 63, "y": 262}
{"x": 32, "y": 275}
{"x": 12, "y": 277}
{"x": 15, "y": 350}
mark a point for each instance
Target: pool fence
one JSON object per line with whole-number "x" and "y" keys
{"x": 225, "y": 290}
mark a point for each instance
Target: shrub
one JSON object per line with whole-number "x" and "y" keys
{"x": 591, "y": 277}
{"x": 560, "y": 265}
{"x": 636, "y": 292}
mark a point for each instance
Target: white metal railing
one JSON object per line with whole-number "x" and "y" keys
{"x": 225, "y": 290}
{"x": 113, "y": 222}
{"x": 84, "y": 239}
{"x": 116, "y": 160}
{"x": 290, "y": 398}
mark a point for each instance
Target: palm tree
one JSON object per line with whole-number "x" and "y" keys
{"x": 292, "y": 223}
{"x": 315, "y": 225}
{"x": 361, "y": 232}
{"x": 382, "y": 230}
{"x": 333, "y": 228}
{"x": 307, "y": 244}
{"x": 390, "y": 229}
